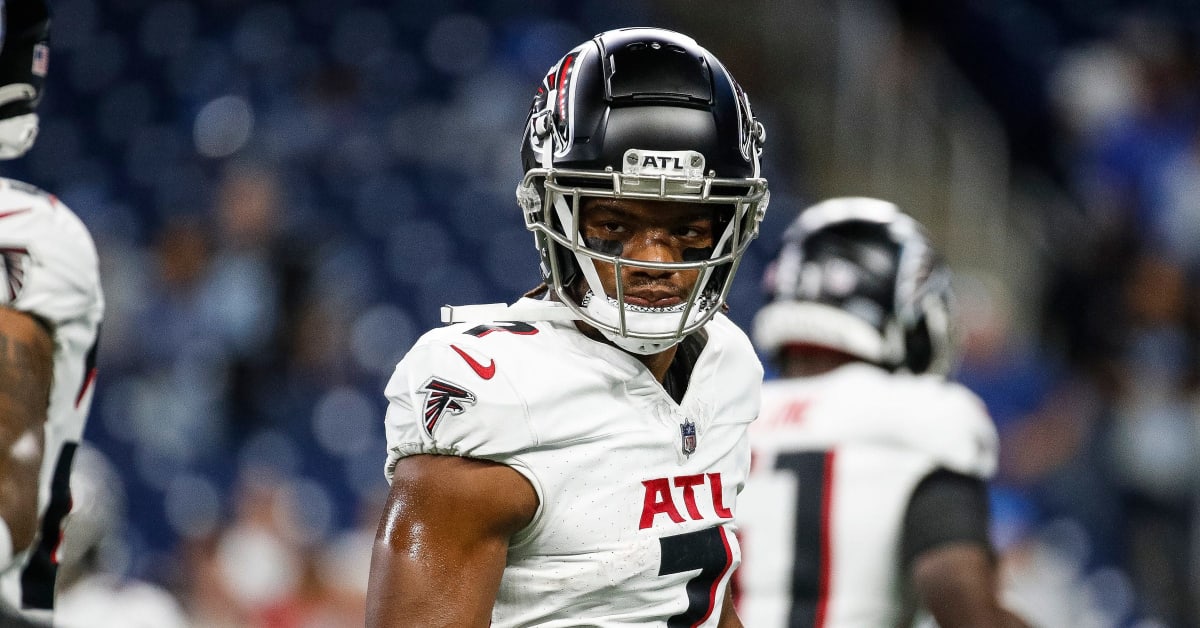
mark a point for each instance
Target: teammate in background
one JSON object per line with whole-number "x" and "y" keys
{"x": 92, "y": 591}
{"x": 576, "y": 459}
{"x": 50, "y": 311}
{"x": 868, "y": 497}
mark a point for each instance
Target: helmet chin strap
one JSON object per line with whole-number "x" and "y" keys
{"x": 607, "y": 310}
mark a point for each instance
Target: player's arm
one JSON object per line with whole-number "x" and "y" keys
{"x": 957, "y": 583}
{"x": 441, "y": 545}
{"x": 26, "y": 371}
{"x": 729, "y": 618}
{"x": 948, "y": 553}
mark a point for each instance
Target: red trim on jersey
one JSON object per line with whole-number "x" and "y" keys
{"x": 716, "y": 585}
{"x": 826, "y": 540}
{"x": 57, "y": 547}
{"x": 89, "y": 374}
{"x": 735, "y": 581}
{"x": 87, "y": 383}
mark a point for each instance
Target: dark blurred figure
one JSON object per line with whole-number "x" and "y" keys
{"x": 1153, "y": 435}
{"x": 1122, "y": 305}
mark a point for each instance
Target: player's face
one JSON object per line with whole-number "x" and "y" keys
{"x": 653, "y": 231}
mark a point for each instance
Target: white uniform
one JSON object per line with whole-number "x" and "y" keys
{"x": 103, "y": 601}
{"x": 836, "y": 459}
{"x": 48, "y": 267}
{"x": 631, "y": 530}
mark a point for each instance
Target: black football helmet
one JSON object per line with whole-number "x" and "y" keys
{"x": 648, "y": 114}
{"x": 859, "y": 276}
{"x": 24, "y": 59}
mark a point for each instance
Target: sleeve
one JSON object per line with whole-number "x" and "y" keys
{"x": 945, "y": 507}
{"x": 50, "y": 266}
{"x": 951, "y": 424}
{"x": 439, "y": 404}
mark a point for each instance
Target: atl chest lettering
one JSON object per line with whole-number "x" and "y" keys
{"x": 701, "y": 496}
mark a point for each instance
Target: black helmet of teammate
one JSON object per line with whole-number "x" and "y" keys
{"x": 859, "y": 276}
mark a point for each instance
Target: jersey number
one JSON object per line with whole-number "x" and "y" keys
{"x": 811, "y": 530}
{"x": 707, "y": 550}
{"x": 518, "y": 328}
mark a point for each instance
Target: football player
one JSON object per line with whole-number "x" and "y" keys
{"x": 868, "y": 495}
{"x": 91, "y": 590}
{"x": 575, "y": 459}
{"x": 50, "y": 311}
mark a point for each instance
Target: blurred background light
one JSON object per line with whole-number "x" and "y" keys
{"x": 223, "y": 126}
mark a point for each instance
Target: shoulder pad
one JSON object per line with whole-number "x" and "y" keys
{"x": 48, "y": 262}
{"x": 860, "y": 403}
{"x": 447, "y": 397}
{"x": 956, "y": 429}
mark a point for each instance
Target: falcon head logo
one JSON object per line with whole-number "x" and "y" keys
{"x": 441, "y": 397}
{"x": 14, "y": 261}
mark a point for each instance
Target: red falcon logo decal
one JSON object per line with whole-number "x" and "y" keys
{"x": 441, "y": 397}
{"x": 13, "y": 263}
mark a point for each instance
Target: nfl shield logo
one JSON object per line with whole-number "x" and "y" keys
{"x": 687, "y": 432}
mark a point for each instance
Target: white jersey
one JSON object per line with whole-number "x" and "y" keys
{"x": 637, "y": 493}
{"x": 48, "y": 268}
{"x": 836, "y": 459}
{"x": 103, "y": 601}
